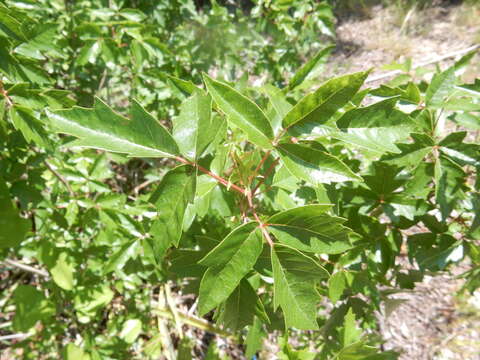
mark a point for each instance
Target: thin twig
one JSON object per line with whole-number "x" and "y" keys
{"x": 27, "y": 268}
{"x": 265, "y": 176}
{"x": 260, "y": 164}
{"x": 196, "y": 322}
{"x": 15, "y": 337}
{"x": 262, "y": 226}
{"x": 5, "y": 94}
{"x": 59, "y": 177}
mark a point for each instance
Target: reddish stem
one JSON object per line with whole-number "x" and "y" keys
{"x": 267, "y": 173}
{"x": 263, "y": 227}
{"x": 221, "y": 180}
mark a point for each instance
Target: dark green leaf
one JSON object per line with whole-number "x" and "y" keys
{"x": 242, "y": 112}
{"x": 171, "y": 198}
{"x": 14, "y": 228}
{"x": 294, "y": 290}
{"x": 244, "y": 302}
{"x": 314, "y": 166}
{"x": 228, "y": 263}
{"x": 308, "y": 228}
{"x": 305, "y": 70}
{"x": 316, "y": 108}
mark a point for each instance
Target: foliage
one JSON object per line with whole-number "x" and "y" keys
{"x": 280, "y": 211}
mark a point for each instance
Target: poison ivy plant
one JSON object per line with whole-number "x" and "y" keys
{"x": 175, "y": 200}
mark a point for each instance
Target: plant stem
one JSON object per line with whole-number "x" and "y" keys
{"x": 267, "y": 173}
{"x": 59, "y": 177}
{"x": 221, "y": 180}
{"x": 263, "y": 227}
{"x": 26, "y": 268}
{"x": 195, "y": 322}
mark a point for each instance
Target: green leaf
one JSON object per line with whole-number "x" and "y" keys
{"x": 255, "y": 337}
{"x": 375, "y": 128}
{"x": 318, "y": 107}
{"x": 350, "y": 332}
{"x": 131, "y": 330}
{"x": 242, "y": 112}
{"x": 279, "y": 106}
{"x": 171, "y": 198}
{"x": 32, "y": 129}
{"x": 294, "y": 290}
{"x": 102, "y": 128}
{"x": 195, "y": 127}
{"x": 30, "y": 307}
{"x": 314, "y": 166}
{"x": 134, "y": 15}
{"x": 336, "y": 285}
{"x": 441, "y": 86}
{"x": 449, "y": 177}
{"x": 118, "y": 259}
{"x": 89, "y": 52}
{"x": 306, "y": 69}
{"x": 74, "y": 352}
{"x": 89, "y": 299}
{"x": 244, "y": 302}
{"x": 14, "y": 228}
{"x": 228, "y": 263}
{"x": 62, "y": 272}
{"x": 358, "y": 351}
{"x": 308, "y": 228}
{"x": 40, "y": 43}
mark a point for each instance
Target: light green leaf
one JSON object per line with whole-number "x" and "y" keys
{"x": 118, "y": 259}
{"x": 294, "y": 290}
{"x": 74, "y": 352}
{"x": 171, "y": 198}
{"x": 350, "y": 332}
{"x": 130, "y": 330}
{"x": 228, "y": 263}
{"x": 134, "y": 15}
{"x": 375, "y": 128}
{"x": 32, "y": 129}
{"x": 308, "y": 228}
{"x": 241, "y": 307}
{"x": 89, "y": 52}
{"x": 317, "y": 107}
{"x": 62, "y": 272}
{"x": 441, "y": 86}
{"x": 255, "y": 337}
{"x": 336, "y": 285}
{"x": 279, "y": 106}
{"x": 195, "y": 127}
{"x": 14, "y": 228}
{"x": 242, "y": 112}
{"x": 89, "y": 299}
{"x": 40, "y": 43}
{"x": 307, "y": 68}
{"x": 102, "y": 128}
{"x": 314, "y": 166}
{"x": 30, "y": 307}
